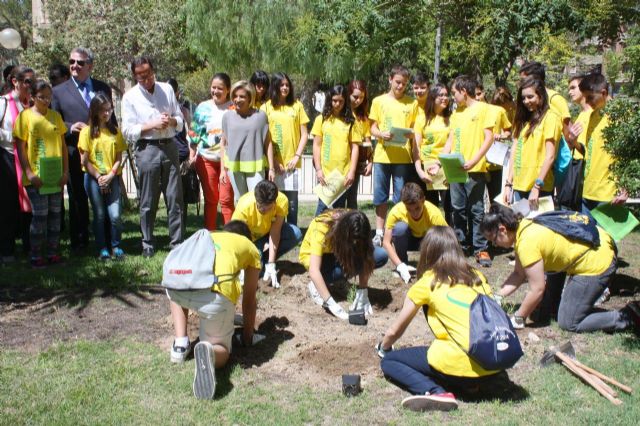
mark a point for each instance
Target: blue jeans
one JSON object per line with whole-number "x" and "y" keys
{"x": 290, "y": 236}
{"x": 292, "y": 216}
{"x": 403, "y": 240}
{"x": 382, "y": 175}
{"x": 103, "y": 204}
{"x": 588, "y": 205}
{"x": 467, "y": 203}
{"x": 340, "y": 203}
{"x": 519, "y": 195}
{"x": 332, "y": 271}
{"x": 408, "y": 368}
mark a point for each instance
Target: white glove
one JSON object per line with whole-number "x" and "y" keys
{"x": 498, "y": 299}
{"x": 270, "y": 274}
{"x": 361, "y": 301}
{"x": 382, "y": 352}
{"x": 336, "y": 309}
{"x": 404, "y": 272}
{"x": 517, "y": 322}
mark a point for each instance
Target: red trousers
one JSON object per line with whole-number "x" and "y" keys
{"x": 214, "y": 190}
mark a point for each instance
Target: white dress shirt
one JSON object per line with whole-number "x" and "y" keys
{"x": 139, "y": 106}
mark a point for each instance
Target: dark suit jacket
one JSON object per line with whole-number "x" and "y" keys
{"x": 70, "y": 104}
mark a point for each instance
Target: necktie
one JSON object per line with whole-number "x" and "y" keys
{"x": 85, "y": 93}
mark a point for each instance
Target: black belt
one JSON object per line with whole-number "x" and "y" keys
{"x": 156, "y": 141}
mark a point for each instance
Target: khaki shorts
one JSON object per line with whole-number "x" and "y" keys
{"x": 216, "y": 314}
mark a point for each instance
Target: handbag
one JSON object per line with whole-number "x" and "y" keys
{"x": 190, "y": 184}
{"x": 569, "y": 191}
{"x": 563, "y": 159}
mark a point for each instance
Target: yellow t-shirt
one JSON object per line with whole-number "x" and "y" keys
{"x": 598, "y": 183}
{"x": 535, "y": 242}
{"x": 583, "y": 118}
{"x": 259, "y": 224}
{"x": 434, "y": 136}
{"x": 449, "y": 306}
{"x": 431, "y": 216}
{"x": 337, "y": 137}
{"x": 389, "y": 112}
{"x": 41, "y": 135}
{"x": 468, "y": 127}
{"x": 103, "y": 149}
{"x": 284, "y": 126}
{"x": 363, "y": 127}
{"x": 502, "y": 124}
{"x": 530, "y": 153}
{"x": 233, "y": 253}
{"x": 315, "y": 241}
{"x": 558, "y": 104}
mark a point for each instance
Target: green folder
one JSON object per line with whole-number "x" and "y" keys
{"x": 50, "y": 174}
{"x": 452, "y": 166}
{"x": 617, "y": 220}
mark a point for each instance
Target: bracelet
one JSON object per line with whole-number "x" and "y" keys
{"x": 297, "y": 155}
{"x": 508, "y": 185}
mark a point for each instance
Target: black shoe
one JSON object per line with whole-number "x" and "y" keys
{"x": 148, "y": 252}
{"x": 632, "y": 311}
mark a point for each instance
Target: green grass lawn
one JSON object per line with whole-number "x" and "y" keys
{"x": 125, "y": 378}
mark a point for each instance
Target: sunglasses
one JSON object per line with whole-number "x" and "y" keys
{"x": 79, "y": 62}
{"x": 27, "y": 81}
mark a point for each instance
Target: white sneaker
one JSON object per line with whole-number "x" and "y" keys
{"x": 315, "y": 296}
{"x": 336, "y": 309}
{"x": 179, "y": 353}
{"x": 204, "y": 381}
{"x": 377, "y": 240}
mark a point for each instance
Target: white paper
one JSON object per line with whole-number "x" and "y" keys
{"x": 291, "y": 182}
{"x": 498, "y": 153}
{"x": 545, "y": 204}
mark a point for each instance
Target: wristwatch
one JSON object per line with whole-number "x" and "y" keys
{"x": 539, "y": 182}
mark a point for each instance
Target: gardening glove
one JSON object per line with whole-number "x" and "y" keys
{"x": 404, "y": 272}
{"x": 270, "y": 274}
{"x": 382, "y": 352}
{"x": 361, "y": 301}
{"x": 498, "y": 299}
{"x": 517, "y": 322}
{"x": 336, "y": 309}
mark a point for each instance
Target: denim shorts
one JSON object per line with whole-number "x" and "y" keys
{"x": 216, "y": 313}
{"x": 383, "y": 173}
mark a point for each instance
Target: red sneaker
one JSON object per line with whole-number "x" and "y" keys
{"x": 435, "y": 402}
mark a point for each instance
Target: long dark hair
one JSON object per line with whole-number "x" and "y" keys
{"x": 430, "y": 105}
{"x": 19, "y": 72}
{"x": 349, "y": 236}
{"x": 441, "y": 254}
{"x": 523, "y": 115}
{"x": 500, "y": 215}
{"x": 274, "y": 90}
{"x": 362, "y": 111}
{"x": 261, "y": 77}
{"x": 99, "y": 102}
{"x": 345, "y": 115}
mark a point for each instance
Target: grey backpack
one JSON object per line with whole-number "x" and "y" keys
{"x": 190, "y": 265}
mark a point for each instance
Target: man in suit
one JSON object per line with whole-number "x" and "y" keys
{"x": 71, "y": 99}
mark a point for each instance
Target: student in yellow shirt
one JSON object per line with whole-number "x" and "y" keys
{"x": 260, "y": 81}
{"x": 335, "y": 143}
{"x": 288, "y": 128}
{"x": 264, "y": 210}
{"x": 101, "y": 145}
{"x": 446, "y": 288}
{"x": 431, "y": 134}
{"x": 39, "y": 134}
{"x": 337, "y": 246}
{"x": 599, "y": 188}
{"x": 537, "y": 131}
{"x": 501, "y": 132}
{"x": 420, "y": 88}
{"x": 407, "y": 222}
{"x": 391, "y": 162}
{"x": 359, "y": 99}
{"x": 215, "y": 307}
{"x": 538, "y": 250}
{"x": 471, "y": 135}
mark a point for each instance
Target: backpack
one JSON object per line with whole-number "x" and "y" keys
{"x": 190, "y": 265}
{"x": 493, "y": 342}
{"x": 562, "y": 162}
{"x": 572, "y": 225}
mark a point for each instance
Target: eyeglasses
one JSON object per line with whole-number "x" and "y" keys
{"x": 43, "y": 98}
{"x": 27, "y": 81}
{"x": 145, "y": 77}
{"x": 80, "y": 62}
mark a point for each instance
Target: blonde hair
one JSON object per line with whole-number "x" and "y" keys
{"x": 248, "y": 87}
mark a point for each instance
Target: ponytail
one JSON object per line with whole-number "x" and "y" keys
{"x": 500, "y": 215}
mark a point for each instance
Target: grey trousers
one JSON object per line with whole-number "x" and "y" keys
{"x": 159, "y": 171}
{"x": 576, "y": 312}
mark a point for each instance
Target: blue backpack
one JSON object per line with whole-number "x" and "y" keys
{"x": 493, "y": 342}
{"x": 572, "y": 225}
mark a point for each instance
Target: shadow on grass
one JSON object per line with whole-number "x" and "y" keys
{"x": 493, "y": 388}
{"x": 275, "y": 332}
{"x": 625, "y": 285}
{"x": 631, "y": 342}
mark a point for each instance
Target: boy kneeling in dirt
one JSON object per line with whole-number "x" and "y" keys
{"x": 234, "y": 251}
